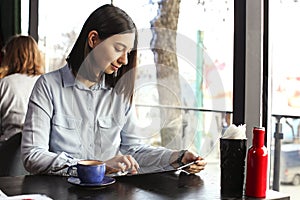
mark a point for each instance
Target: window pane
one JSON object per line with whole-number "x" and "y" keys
{"x": 60, "y": 22}
{"x": 284, "y": 64}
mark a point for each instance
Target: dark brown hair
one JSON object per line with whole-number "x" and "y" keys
{"x": 107, "y": 20}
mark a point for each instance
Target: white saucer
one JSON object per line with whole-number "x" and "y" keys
{"x": 105, "y": 182}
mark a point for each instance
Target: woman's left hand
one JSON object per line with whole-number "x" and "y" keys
{"x": 194, "y": 168}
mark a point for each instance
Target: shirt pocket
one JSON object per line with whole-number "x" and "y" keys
{"x": 65, "y": 134}
{"x": 109, "y": 128}
{"x": 105, "y": 122}
{"x": 65, "y": 122}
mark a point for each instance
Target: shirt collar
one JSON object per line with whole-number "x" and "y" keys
{"x": 67, "y": 76}
{"x": 69, "y": 80}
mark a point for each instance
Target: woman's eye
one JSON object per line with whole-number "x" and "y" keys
{"x": 119, "y": 49}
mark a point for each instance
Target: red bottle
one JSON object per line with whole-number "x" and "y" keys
{"x": 257, "y": 163}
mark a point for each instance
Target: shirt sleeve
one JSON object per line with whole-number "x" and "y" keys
{"x": 35, "y": 152}
{"x": 150, "y": 158}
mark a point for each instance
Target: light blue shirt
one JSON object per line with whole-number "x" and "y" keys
{"x": 67, "y": 121}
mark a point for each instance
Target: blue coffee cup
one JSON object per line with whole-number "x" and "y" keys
{"x": 89, "y": 171}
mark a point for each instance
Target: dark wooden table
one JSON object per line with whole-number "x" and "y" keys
{"x": 167, "y": 185}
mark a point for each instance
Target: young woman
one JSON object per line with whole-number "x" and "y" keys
{"x": 85, "y": 109}
{"x": 21, "y": 66}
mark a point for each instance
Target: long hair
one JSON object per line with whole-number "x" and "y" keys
{"x": 107, "y": 20}
{"x": 21, "y": 55}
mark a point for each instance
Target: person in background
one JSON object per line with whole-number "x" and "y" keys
{"x": 21, "y": 66}
{"x": 85, "y": 110}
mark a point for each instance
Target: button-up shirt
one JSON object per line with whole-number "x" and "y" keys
{"x": 67, "y": 121}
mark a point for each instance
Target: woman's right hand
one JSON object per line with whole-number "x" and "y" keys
{"x": 122, "y": 163}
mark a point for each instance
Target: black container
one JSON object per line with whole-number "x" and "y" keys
{"x": 232, "y": 163}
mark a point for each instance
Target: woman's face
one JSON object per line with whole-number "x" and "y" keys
{"x": 110, "y": 54}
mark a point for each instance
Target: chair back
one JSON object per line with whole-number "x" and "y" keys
{"x": 10, "y": 157}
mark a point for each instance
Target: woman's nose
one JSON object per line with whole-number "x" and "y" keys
{"x": 123, "y": 59}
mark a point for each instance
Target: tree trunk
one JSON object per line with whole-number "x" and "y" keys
{"x": 163, "y": 45}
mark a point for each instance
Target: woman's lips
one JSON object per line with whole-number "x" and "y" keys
{"x": 114, "y": 67}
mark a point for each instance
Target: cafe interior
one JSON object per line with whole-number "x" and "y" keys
{"x": 251, "y": 103}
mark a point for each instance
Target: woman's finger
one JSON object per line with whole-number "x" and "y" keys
{"x": 134, "y": 165}
{"x": 122, "y": 166}
{"x": 197, "y": 167}
{"x": 130, "y": 163}
{"x": 194, "y": 170}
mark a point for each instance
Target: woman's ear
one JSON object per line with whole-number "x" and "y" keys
{"x": 93, "y": 39}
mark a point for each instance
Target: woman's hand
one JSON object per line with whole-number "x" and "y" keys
{"x": 194, "y": 168}
{"x": 122, "y": 163}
